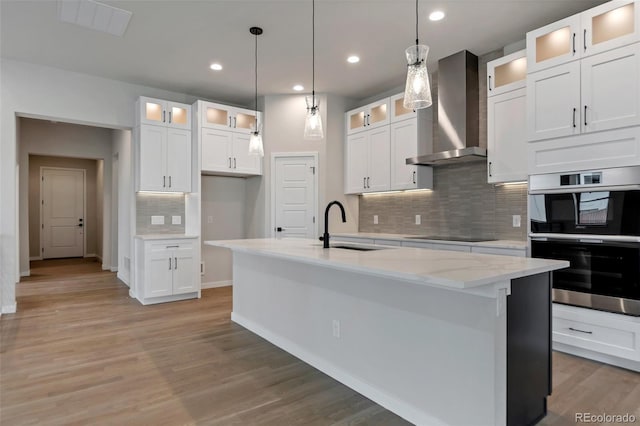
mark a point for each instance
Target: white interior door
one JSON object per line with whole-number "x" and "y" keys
{"x": 62, "y": 213}
{"x": 295, "y": 197}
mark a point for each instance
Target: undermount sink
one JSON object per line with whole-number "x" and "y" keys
{"x": 357, "y": 248}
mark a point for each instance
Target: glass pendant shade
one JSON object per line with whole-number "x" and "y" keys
{"x": 417, "y": 93}
{"x": 255, "y": 144}
{"x": 313, "y": 120}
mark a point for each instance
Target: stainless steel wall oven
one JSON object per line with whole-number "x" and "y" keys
{"x": 592, "y": 220}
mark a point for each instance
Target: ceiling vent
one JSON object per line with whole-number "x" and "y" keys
{"x": 94, "y": 15}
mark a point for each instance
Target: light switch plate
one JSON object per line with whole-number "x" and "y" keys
{"x": 176, "y": 220}
{"x": 375, "y": 219}
{"x": 418, "y": 219}
{"x": 516, "y": 221}
{"x": 157, "y": 220}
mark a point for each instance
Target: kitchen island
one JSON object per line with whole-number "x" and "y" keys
{"x": 438, "y": 337}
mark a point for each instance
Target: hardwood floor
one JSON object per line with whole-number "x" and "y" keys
{"x": 81, "y": 351}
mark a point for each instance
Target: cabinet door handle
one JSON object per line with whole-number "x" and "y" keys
{"x": 414, "y": 176}
{"x": 169, "y": 263}
{"x": 368, "y": 186}
{"x": 169, "y": 181}
{"x": 585, "y": 115}
{"x": 235, "y": 122}
{"x": 169, "y": 117}
{"x": 175, "y": 262}
{"x": 229, "y": 162}
{"x": 490, "y": 83}
{"x": 234, "y": 163}
{"x": 585, "y": 40}
{"x": 163, "y": 115}
{"x": 580, "y": 331}
{"x": 490, "y": 171}
{"x": 574, "y": 117}
{"x": 364, "y": 182}
{"x": 164, "y": 181}
{"x": 574, "y": 43}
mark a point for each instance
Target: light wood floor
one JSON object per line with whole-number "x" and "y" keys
{"x": 80, "y": 351}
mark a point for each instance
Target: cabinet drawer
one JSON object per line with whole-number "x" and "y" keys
{"x": 170, "y": 245}
{"x": 615, "y": 338}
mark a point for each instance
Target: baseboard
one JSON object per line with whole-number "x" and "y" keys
{"x": 112, "y": 269}
{"x": 377, "y": 395}
{"x": 596, "y": 356}
{"x": 122, "y": 278}
{"x": 9, "y": 309}
{"x": 216, "y": 284}
{"x": 32, "y": 258}
{"x": 26, "y": 273}
{"x": 91, "y": 255}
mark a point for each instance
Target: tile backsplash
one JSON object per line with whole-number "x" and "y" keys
{"x": 462, "y": 204}
{"x": 157, "y": 204}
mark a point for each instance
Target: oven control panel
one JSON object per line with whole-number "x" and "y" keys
{"x": 591, "y": 178}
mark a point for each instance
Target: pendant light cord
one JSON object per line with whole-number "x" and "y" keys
{"x": 417, "y": 43}
{"x": 313, "y": 52}
{"x": 256, "y": 68}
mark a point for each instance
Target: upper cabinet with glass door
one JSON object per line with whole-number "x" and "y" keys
{"x": 398, "y": 111}
{"x": 224, "y": 117}
{"x": 507, "y": 73}
{"x": 596, "y": 30}
{"x": 370, "y": 116}
{"x": 164, "y": 113}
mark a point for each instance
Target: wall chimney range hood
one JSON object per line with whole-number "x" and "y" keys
{"x": 458, "y": 117}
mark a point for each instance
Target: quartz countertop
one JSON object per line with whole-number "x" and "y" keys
{"x": 506, "y": 244}
{"x": 165, "y": 236}
{"x": 441, "y": 268}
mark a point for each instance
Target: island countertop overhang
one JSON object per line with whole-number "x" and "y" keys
{"x": 448, "y": 269}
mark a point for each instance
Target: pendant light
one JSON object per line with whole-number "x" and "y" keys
{"x": 255, "y": 140}
{"x": 313, "y": 120}
{"x": 417, "y": 93}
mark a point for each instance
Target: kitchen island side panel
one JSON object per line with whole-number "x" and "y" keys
{"x": 431, "y": 355}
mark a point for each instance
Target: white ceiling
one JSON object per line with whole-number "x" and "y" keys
{"x": 171, "y": 43}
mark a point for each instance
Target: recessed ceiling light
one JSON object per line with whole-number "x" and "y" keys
{"x": 298, "y": 87}
{"x": 216, "y": 67}
{"x": 436, "y": 15}
{"x": 353, "y": 59}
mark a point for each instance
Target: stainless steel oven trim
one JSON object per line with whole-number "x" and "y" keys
{"x": 584, "y": 237}
{"x": 612, "y": 179}
{"x": 597, "y": 301}
{"x": 583, "y": 188}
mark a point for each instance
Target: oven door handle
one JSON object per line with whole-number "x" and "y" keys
{"x": 591, "y": 240}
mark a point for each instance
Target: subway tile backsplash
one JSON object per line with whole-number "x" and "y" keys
{"x": 155, "y": 204}
{"x": 462, "y": 204}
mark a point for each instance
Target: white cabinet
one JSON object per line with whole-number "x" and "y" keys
{"x": 507, "y": 119}
{"x": 507, "y": 73}
{"x": 163, "y": 113}
{"x": 224, "y": 134}
{"x": 162, "y": 146}
{"x": 367, "y": 166}
{"x": 163, "y": 159}
{"x": 227, "y": 153}
{"x": 166, "y": 270}
{"x": 224, "y": 117}
{"x": 604, "y": 336}
{"x": 404, "y": 144}
{"x": 368, "y": 117}
{"x": 398, "y": 111}
{"x": 594, "y": 31}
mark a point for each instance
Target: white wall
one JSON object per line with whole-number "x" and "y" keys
{"x": 283, "y": 132}
{"x": 44, "y": 92}
{"x": 100, "y": 210}
{"x": 121, "y": 144}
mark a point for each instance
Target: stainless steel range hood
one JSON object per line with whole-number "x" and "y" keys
{"x": 458, "y": 118}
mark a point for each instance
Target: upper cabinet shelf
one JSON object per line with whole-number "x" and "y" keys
{"x": 596, "y": 30}
{"x": 164, "y": 113}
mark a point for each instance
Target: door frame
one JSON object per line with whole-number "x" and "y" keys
{"x": 274, "y": 156}
{"x": 84, "y": 207}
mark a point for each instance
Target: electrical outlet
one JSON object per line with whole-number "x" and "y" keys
{"x": 375, "y": 219}
{"x": 336, "y": 329}
{"x": 157, "y": 220}
{"x": 209, "y": 219}
{"x": 418, "y": 219}
{"x": 201, "y": 268}
{"x": 516, "y": 220}
{"x": 176, "y": 220}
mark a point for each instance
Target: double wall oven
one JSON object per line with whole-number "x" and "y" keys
{"x": 592, "y": 220}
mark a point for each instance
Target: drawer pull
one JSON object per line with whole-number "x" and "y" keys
{"x": 580, "y": 331}
{"x": 176, "y": 246}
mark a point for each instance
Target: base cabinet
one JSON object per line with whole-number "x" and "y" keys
{"x": 166, "y": 270}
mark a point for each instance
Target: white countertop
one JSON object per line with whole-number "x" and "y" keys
{"x": 442, "y": 268}
{"x": 165, "y": 237}
{"x": 506, "y": 244}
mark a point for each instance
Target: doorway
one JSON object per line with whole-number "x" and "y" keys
{"x": 63, "y": 212}
{"x": 294, "y": 194}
